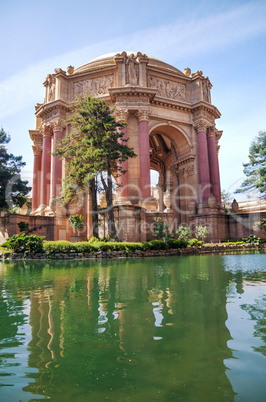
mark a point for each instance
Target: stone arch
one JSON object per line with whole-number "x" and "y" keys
{"x": 171, "y": 155}
{"x": 173, "y": 131}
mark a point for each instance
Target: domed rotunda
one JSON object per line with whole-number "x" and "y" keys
{"x": 171, "y": 127}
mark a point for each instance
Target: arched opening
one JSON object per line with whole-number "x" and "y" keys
{"x": 171, "y": 159}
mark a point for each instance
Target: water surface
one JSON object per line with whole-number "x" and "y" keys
{"x": 167, "y": 329}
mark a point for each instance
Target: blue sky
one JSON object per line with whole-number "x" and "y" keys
{"x": 224, "y": 39}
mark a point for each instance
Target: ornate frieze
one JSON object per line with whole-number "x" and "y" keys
{"x": 51, "y": 114}
{"x": 94, "y": 86}
{"x": 185, "y": 171}
{"x": 167, "y": 88}
{"x": 133, "y": 99}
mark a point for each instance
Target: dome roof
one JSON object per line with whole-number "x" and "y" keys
{"x": 107, "y": 60}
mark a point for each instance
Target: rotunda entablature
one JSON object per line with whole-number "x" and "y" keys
{"x": 128, "y": 74}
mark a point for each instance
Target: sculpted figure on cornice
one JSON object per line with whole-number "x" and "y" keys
{"x": 50, "y": 83}
{"x": 206, "y": 86}
{"x": 132, "y": 74}
{"x": 132, "y": 63}
{"x": 167, "y": 88}
{"x": 94, "y": 86}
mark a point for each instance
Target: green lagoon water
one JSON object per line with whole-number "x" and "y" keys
{"x": 159, "y": 329}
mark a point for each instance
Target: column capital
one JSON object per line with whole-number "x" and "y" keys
{"x": 201, "y": 125}
{"x": 143, "y": 114}
{"x": 121, "y": 114}
{"x": 36, "y": 137}
{"x": 58, "y": 126}
{"x": 46, "y": 130}
{"x": 37, "y": 150}
{"x": 211, "y": 132}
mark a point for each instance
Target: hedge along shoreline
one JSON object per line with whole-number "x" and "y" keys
{"x": 65, "y": 250}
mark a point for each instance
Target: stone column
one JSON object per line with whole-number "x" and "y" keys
{"x": 160, "y": 187}
{"x": 122, "y": 180}
{"x": 214, "y": 165}
{"x": 46, "y": 166}
{"x": 144, "y": 153}
{"x": 57, "y": 163}
{"x": 204, "y": 171}
{"x": 36, "y": 184}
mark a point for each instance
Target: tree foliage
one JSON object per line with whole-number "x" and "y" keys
{"x": 255, "y": 169}
{"x": 95, "y": 146}
{"x": 13, "y": 190}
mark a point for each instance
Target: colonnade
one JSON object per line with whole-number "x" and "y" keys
{"x": 209, "y": 174}
{"x": 143, "y": 155}
{"x": 47, "y": 169}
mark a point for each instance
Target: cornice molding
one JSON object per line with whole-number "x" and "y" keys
{"x": 184, "y": 161}
{"x": 207, "y": 107}
{"x": 129, "y": 91}
{"x": 54, "y": 108}
{"x": 36, "y": 137}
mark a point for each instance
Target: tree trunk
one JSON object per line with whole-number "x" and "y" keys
{"x": 95, "y": 219}
{"x": 109, "y": 201}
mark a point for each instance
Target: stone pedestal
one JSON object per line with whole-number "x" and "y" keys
{"x": 149, "y": 203}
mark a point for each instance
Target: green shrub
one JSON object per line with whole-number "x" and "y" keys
{"x": 183, "y": 233}
{"x": 93, "y": 240}
{"x": 252, "y": 239}
{"x": 177, "y": 243}
{"x": 24, "y": 244}
{"x": 23, "y": 226}
{"x": 76, "y": 222}
{"x": 61, "y": 246}
{"x": 195, "y": 242}
{"x": 155, "y": 245}
{"x": 201, "y": 232}
{"x": 84, "y": 247}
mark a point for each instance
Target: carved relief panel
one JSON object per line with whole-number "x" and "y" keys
{"x": 168, "y": 89}
{"x": 95, "y": 86}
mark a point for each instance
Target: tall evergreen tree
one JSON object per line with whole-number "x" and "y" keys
{"x": 13, "y": 190}
{"x": 255, "y": 169}
{"x": 94, "y": 147}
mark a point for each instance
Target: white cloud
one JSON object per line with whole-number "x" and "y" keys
{"x": 170, "y": 42}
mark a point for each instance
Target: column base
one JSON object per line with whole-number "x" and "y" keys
{"x": 43, "y": 210}
{"x": 122, "y": 201}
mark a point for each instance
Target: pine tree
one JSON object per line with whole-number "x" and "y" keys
{"x": 13, "y": 190}
{"x": 94, "y": 148}
{"x": 255, "y": 169}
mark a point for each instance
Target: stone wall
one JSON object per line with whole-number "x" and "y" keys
{"x": 39, "y": 225}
